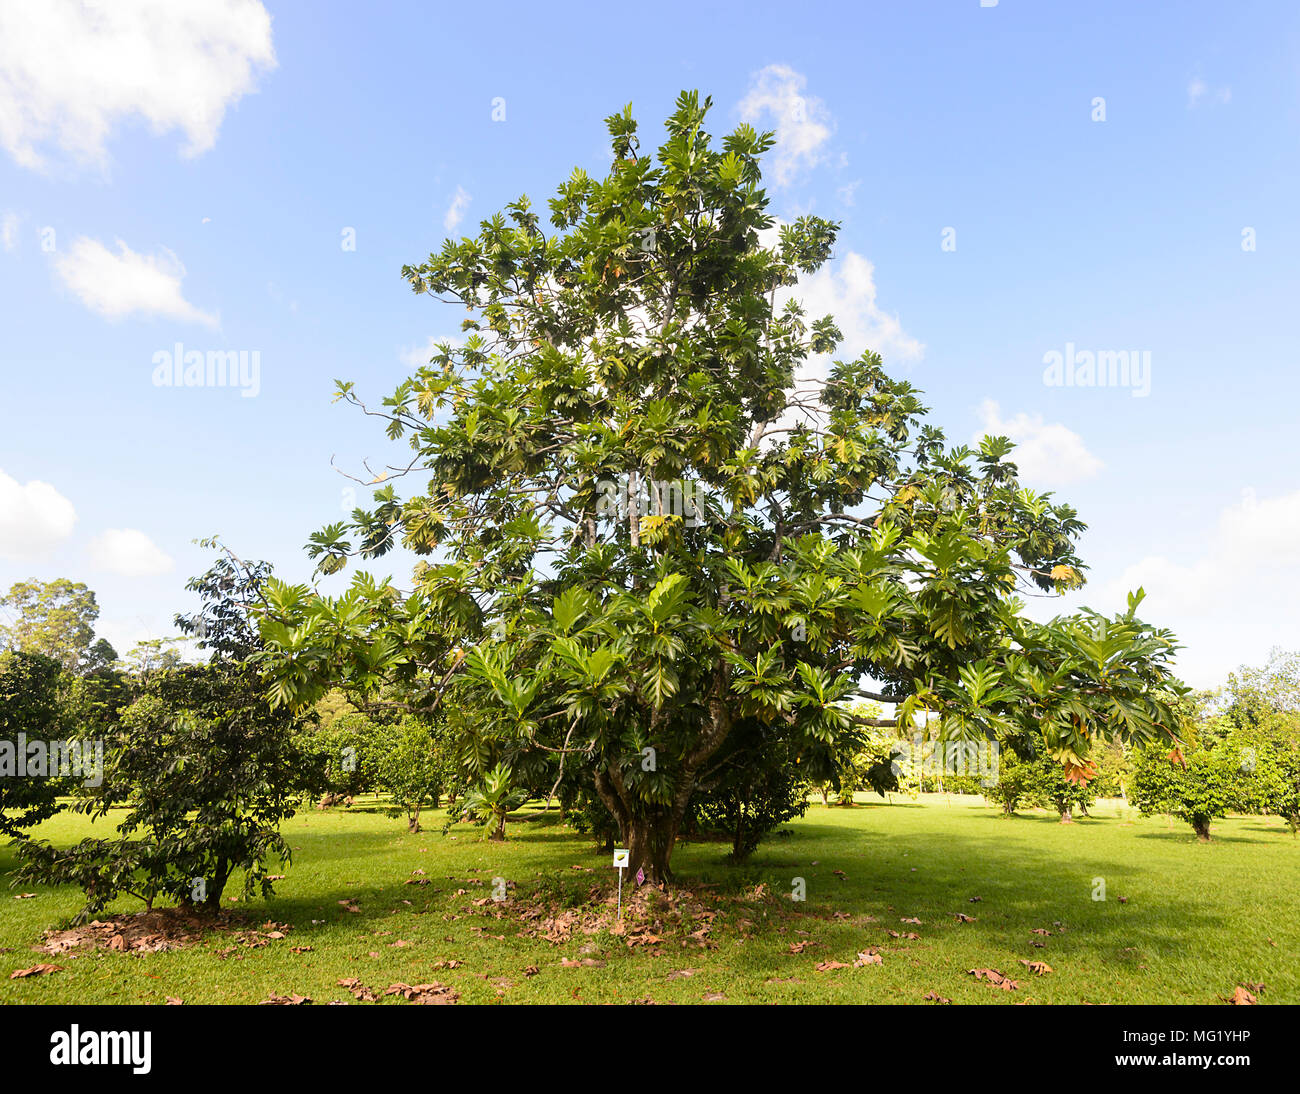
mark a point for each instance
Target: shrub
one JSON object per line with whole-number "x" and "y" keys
{"x": 1196, "y": 788}
{"x": 206, "y": 771}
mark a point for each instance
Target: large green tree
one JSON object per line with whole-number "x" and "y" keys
{"x": 654, "y": 515}
{"x": 54, "y": 618}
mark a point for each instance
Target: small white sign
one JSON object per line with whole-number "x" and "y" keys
{"x": 620, "y": 857}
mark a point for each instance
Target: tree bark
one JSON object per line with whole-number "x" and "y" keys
{"x": 1202, "y": 828}
{"x": 212, "y": 902}
{"x": 1066, "y": 815}
{"x": 650, "y": 848}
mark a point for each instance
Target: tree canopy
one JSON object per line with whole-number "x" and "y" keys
{"x": 54, "y": 618}
{"x": 654, "y": 514}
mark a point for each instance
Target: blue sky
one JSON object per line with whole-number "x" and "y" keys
{"x": 188, "y": 174}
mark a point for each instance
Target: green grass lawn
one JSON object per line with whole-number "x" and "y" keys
{"x": 1196, "y": 919}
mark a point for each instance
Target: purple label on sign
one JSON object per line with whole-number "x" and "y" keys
{"x": 640, "y": 876}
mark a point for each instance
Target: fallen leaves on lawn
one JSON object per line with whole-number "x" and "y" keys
{"x": 139, "y": 933}
{"x": 996, "y": 978}
{"x": 868, "y": 957}
{"x": 828, "y": 966}
{"x": 1242, "y": 998}
{"x": 962, "y": 917}
{"x": 935, "y": 997}
{"x": 358, "y": 989}
{"x": 285, "y": 1001}
{"x": 35, "y": 970}
{"x": 424, "y": 994}
{"x": 1038, "y": 968}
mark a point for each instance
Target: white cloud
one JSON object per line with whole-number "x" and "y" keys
{"x": 846, "y": 289}
{"x": 125, "y": 634}
{"x": 1233, "y": 600}
{"x": 419, "y": 356}
{"x": 128, "y": 553}
{"x": 70, "y": 71}
{"x": 126, "y": 283}
{"x": 1046, "y": 453}
{"x": 802, "y": 123}
{"x": 33, "y": 517}
{"x": 9, "y": 230}
{"x": 456, "y": 210}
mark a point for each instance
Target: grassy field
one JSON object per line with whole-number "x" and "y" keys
{"x": 1182, "y": 922}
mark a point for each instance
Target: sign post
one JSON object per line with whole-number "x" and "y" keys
{"x": 620, "y": 860}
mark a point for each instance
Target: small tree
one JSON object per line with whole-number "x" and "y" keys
{"x": 1051, "y": 787}
{"x": 1016, "y": 781}
{"x": 1196, "y": 788}
{"x": 752, "y": 787}
{"x": 204, "y": 766}
{"x": 152, "y": 655}
{"x": 410, "y": 767}
{"x": 206, "y": 771}
{"x": 29, "y": 706}
{"x": 1260, "y": 712}
{"x": 1114, "y": 770}
{"x": 492, "y": 799}
{"x": 344, "y": 757}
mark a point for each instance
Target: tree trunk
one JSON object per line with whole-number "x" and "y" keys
{"x": 650, "y": 833}
{"x": 650, "y": 847}
{"x": 1202, "y": 828}
{"x": 1066, "y": 815}
{"x": 212, "y": 902}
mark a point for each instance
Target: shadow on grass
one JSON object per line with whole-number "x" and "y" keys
{"x": 1020, "y": 887}
{"x": 931, "y": 874}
